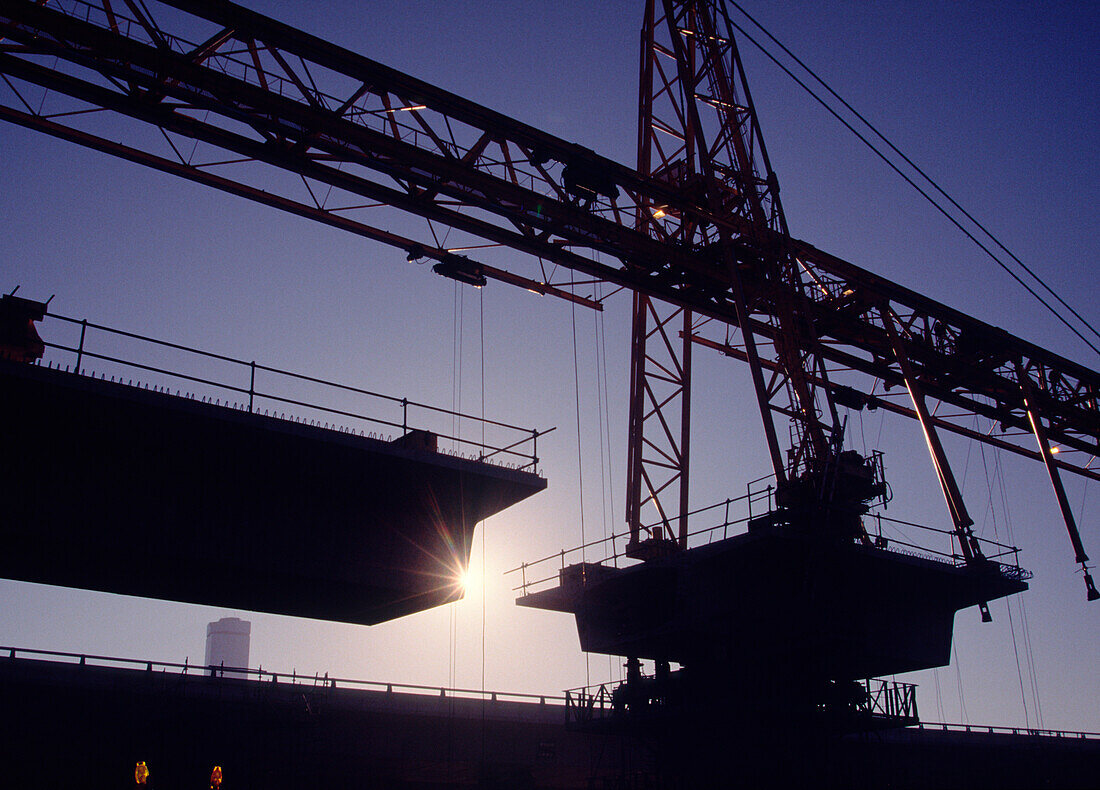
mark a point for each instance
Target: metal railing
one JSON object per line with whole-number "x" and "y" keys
{"x": 889, "y": 700}
{"x": 1005, "y": 556}
{"x": 250, "y": 386}
{"x": 581, "y": 705}
{"x": 873, "y": 700}
{"x": 998, "y": 730}
{"x": 589, "y": 703}
{"x": 647, "y": 698}
{"x": 614, "y": 546}
{"x": 732, "y": 516}
{"x": 261, "y": 675}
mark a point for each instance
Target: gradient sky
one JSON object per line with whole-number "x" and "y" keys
{"x": 995, "y": 100}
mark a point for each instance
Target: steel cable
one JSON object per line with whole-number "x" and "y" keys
{"x": 910, "y": 181}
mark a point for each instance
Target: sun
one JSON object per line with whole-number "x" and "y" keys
{"x": 468, "y": 581}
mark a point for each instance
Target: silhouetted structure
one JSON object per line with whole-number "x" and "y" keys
{"x": 774, "y": 628}
{"x": 89, "y": 724}
{"x": 141, "y": 492}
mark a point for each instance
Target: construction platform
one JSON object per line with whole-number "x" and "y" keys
{"x": 775, "y": 601}
{"x": 127, "y": 490}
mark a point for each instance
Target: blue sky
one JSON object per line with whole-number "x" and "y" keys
{"x": 995, "y": 100}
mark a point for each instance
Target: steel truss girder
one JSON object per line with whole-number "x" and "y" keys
{"x": 439, "y": 166}
{"x": 884, "y": 403}
{"x": 951, "y": 493}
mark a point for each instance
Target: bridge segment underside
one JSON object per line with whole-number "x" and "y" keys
{"x": 114, "y": 488}
{"x": 776, "y": 604}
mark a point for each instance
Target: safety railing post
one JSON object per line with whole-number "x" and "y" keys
{"x": 251, "y": 384}
{"x": 80, "y": 348}
{"x": 404, "y": 416}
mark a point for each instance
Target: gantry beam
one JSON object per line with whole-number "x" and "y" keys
{"x": 264, "y": 99}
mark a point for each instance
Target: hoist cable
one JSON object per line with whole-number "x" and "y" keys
{"x": 1034, "y": 674}
{"x": 484, "y": 525}
{"x": 456, "y": 403}
{"x": 580, "y": 458}
{"x": 998, "y": 475}
{"x": 1019, "y": 671}
{"x": 959, "y": 681}
{"x": 601, "y": 412}
{"x": 456, "y": 363}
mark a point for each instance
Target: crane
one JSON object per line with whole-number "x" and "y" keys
{"x": 696, "y": 232}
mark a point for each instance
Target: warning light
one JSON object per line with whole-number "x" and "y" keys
{"x": 141, "y": 773}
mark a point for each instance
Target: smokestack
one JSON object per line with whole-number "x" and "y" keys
{"x": 227, "y": 646}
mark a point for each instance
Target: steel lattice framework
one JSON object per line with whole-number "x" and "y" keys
{"x": 696, "y": 232}
{"x": 699, "y": 133}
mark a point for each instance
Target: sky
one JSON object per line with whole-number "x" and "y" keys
{"x": 995, "y": 100}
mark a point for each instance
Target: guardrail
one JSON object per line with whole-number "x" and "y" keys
{"x": 877, "y": 698}
{"x": 261, "y": 675}
{"x": 613, "y": 547}
{"x": 732, "y": 517}
{"x": 590, "y": 702}
{"x": 888, "y": 699}
{"x": 250, "y": 386}
{"x": 997, "y": 730}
